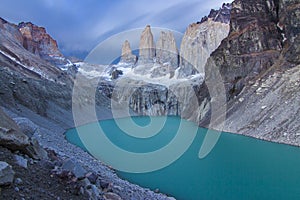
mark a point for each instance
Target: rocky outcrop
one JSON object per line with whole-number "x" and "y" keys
{"x": 38, "y": 41}
{"x": 166, "y": 49}
{"x": 201, "y": 39}
{"x": 127, "y": 56}
{"x": 259, "y": 68}
{"x": 252, "y": 46}
{"x": 18, "y": 58}
{"x": 146, "y": 47}
{"x": 13, "y": 138}
{"x": 221, "y": 15}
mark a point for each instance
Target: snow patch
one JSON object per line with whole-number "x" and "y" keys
{"x": 31, "y": 68}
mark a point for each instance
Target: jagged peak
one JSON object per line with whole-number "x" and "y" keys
{"x": 221, "y": 15}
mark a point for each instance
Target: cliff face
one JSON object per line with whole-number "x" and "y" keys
{"x": 16, "y": 57}
{"x": 259, "y": 65}
{"x": 252, "y": 46}
{"x": 201, "y": 39}
{"x": 172, "y": 88}
{"x": 39, "y": 42}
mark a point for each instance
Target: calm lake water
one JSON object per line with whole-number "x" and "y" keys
{"x": 238, "y": 167}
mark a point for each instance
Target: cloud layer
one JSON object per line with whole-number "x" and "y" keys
{"x": 78, "y": 26}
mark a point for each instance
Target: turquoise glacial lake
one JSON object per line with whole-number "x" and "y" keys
{"x": 238, "y": 167}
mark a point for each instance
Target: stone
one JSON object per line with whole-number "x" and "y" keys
{"x": 94, "y": 193}
{"x": 116, "y": 73}
{"x": 26, "y": 126}
{"x": 146, "y": 47}
{"x": 22, "y": 162}
{"x": 166, "y": 50}
{"x": 92, "y": 177}
{"x": 127, "y": 56}
{"x": 6, "y": 174}
{"x": 18, "y": 181}
{"x": 111, "y": 196}
{"x": 74, "y": 167}
{"x": 35, "y": 151}
{"x": 104, "y": 184}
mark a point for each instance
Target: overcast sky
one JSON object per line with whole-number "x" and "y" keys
{"x": 79, "y": 25}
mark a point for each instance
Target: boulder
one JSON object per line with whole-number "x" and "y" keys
{"x": 22, "y": 162}
{"x": 74, "y": 167}
{"x": 26, "y": 125}
{"x": 11, "y": 136}
{"x": 35, "y": 151}
{"x": 111, "y": 196}
{"x": 6, "y": 174}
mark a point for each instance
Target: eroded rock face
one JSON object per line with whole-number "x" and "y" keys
{"x": 146, "y": 47}
{"x": 166, "y": 50}
{"x": 127, "y": 56}
{"x": 259, "y": 65}
{"x": 252, "y": 46}
{"x": 289, "y": 15}
{"x": 38, "y": 41}
{"x": 201, "y": 39}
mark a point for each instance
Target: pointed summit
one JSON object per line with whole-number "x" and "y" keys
{"x": 166, "y": 50}
{"x": 127, "y": 56}
{"x": 147, "y": 46}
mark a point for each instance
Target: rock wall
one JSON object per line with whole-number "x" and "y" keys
{"x": 259, "y": 65}
{"x": 253, "y": 44}
{"x": 201, "y": 39}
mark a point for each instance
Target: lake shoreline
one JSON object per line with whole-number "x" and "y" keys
{"x": 51, "y": 136}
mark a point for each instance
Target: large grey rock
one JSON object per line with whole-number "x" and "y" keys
{"x": 146, "y": 47}
{"x": 198, "y": 42}
{"x": 26, "y": 125}
{"x": 93, "y": 192}
{"x": 22, "y": 162}
{"x": 166, "y": 49}
{"x": 35, "y": 150}
{"x": 75, "y": 168}
{"x": 111, "y": 196}
{"x": 10, "y": 134}
{"x": 6, "y": 174}
{"x": 127, "y": 56}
